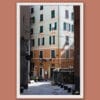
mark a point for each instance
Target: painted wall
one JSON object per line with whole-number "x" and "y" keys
{"x": 62, "y": 19}
{"x": 46, "y": 21}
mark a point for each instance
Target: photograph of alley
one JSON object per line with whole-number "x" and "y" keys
{"x": 50, "y": 50}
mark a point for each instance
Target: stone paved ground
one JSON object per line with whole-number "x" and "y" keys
{"x": 44, "y": 88}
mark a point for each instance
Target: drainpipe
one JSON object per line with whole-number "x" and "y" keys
{"x": 58, "y": 47}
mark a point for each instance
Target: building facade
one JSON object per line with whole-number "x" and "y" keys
{"x": 52, "y": 38}
{"x": 24, "y": 46}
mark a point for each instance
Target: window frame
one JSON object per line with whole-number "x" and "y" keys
{"x": 32, "y": 10}
{"x": 41, "y": 54}
{"x": 41, "y": 7}
{"x": 33, "y": 19}
{"x": 52, "y": 13}
{"x": 43, "y": 41}
{"x": 53, "y": 42}
{"x": 33, "y": 42}
{"x": 66, "y": 14}
{"x": 38, "y": 41}
{"x": 64, "y": 26}
{"x": 31, "y": 31}
{"x": 72, "y": 16}
{"x": 53, "y": 56}
{"x": 41, "y": 29}
{"x": 41, "y": 17}
{"x": 50, "y": 40}
{"x": 72, "y": 27}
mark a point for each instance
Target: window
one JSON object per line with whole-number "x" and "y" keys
{"x": 53, "y": 14}
{"x": 52, "y": 53}
{"x": 64, "y": 26}
{"x": 53, "y": 39}
{"x": 68, "y": 27}
{"x": 72, "y": 28}
{"x": 66, "y": 14}
{"x": 41, "y": 29}
{"x": 67, "y": 53}
{"x": 50, "y": 40}
{"x": 41, "y": 7}
{"x": 49, "y": 27}
{"x": 41, "y": 17}
{"x": 41, "y": 54}
{"x": 32, "y": 10}
{"x": 38, "y": 41}
{"x": 67, "y": 40}
{"x": 33, "y": 42}
{"x": 33, "y": 20}
{"x": 31, "y": 31}
{"x": 55, "y": 26}
{"x": 43, "y": 41}
{"x": 72, "y": 16}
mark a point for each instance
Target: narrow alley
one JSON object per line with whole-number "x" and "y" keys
{"x": 44, "y": 88}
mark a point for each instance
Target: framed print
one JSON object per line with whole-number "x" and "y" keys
{"x": 50, "y": 46}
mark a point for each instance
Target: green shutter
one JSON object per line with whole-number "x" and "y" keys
{"x": 53, "y": 39}
{"x": 72, "y": 28}
{"x": 55, "y": 26}
{"x": 72, "y": 16}
{"x": 49, "y": 27}
{"x": 64, "y": 26}
{"x": 53, "y": 14}
{"x": 50, "y": 40}
{"x": 41, "y": 29}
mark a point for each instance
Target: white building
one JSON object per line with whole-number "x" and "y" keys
{"x": 52, "y": 29}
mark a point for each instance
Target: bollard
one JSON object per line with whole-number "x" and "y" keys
{"x": 57, "y": 83}
{"x": 69, "y": 90}
{"x": 61, "y": 85}
{"x": 65, "y": 87}
{"x": 26, "y": 86}
{"x": 21, "y": 89}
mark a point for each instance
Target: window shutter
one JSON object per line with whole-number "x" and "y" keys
{"x": 49, "y": 27}
{"x": 38, "y": 41}
{"x": 53, "y": 39}
{"x": 50, "y": 40}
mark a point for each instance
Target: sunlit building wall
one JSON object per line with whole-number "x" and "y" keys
{"x": 52, "y": 36}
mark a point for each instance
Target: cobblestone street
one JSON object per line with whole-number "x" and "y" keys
{"x": 44, "y": 88}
